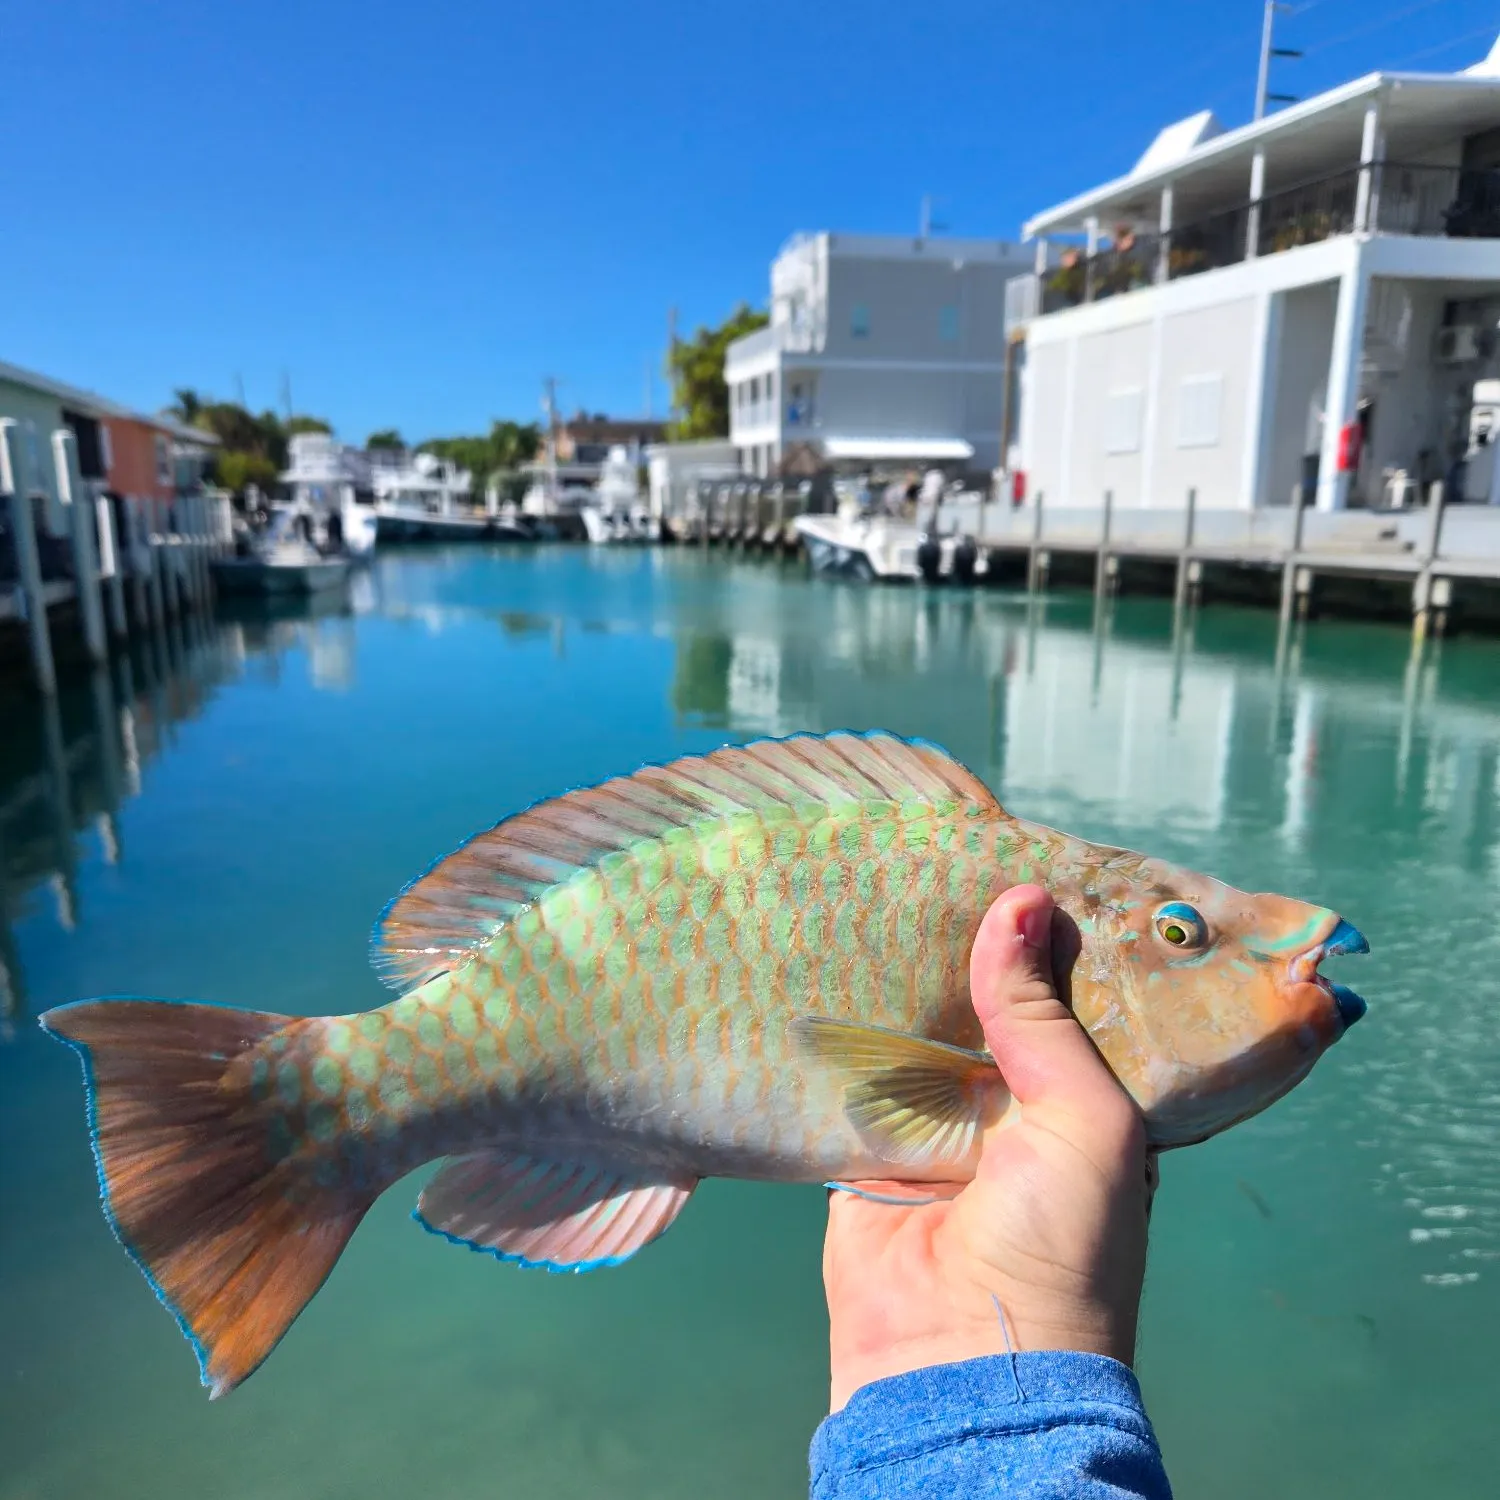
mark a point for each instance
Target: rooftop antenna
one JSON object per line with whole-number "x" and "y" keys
{"x": 672, "y": 412}
{"x": 1268, "y": 50}
{"x": 928, "y": 223}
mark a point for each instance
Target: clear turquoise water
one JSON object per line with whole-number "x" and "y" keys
{"x": 1324, "y": 1296}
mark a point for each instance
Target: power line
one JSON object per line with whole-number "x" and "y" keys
{"x": 1359, "y": 31}
{"x": 1452, "y": 42}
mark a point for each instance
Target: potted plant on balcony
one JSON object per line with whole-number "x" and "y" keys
{"x": 1069, "y": 279}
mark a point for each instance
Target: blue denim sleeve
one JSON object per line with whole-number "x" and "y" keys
{"x": 1048, "y": 1426}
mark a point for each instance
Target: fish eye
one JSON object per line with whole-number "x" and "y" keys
{"x": 1180, "y": 925}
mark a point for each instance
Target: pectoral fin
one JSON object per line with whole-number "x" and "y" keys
{"x": 916, "y": 1102}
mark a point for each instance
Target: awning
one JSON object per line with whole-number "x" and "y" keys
{"x": 913, "y": 447}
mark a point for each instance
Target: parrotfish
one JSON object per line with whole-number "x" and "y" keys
{"x": 752, "y": 963}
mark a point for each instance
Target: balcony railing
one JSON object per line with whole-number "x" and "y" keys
{"x": 763, "y": 341}
{"x": 1452, "y": 202}
{"x": 1455, "y": 202}
{"x": 1308, "y": 213}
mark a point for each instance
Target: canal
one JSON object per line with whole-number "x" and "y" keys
{"x": 223, "y": 815}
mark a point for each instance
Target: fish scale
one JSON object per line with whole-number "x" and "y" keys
{"x": 752, "y": 963}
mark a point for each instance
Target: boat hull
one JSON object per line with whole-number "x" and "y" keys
{"x": 252, "y": 575}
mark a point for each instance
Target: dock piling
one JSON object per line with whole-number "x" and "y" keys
{"x": 110, "y": 571}
{"x": 1425, "y": 585}
{"x": 1036, "y": 559}
{"x": 13, "y": 484}
{"x": 1180, "y": 591}
{"x": 70, "y": 490}
{"x": 1102, "y": 561}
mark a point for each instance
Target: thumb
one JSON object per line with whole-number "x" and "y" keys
{"x": 1043, "y": 1053}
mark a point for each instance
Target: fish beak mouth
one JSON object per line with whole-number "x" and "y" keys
{"x": 1344, "y": 939}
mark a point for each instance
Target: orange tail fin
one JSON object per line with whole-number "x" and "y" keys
{"x": 190, "y": 1183}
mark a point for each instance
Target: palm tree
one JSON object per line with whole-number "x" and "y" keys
{"x": 186, "y": 406}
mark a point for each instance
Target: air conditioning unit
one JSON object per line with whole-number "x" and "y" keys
{"x": 1458, "y": 344}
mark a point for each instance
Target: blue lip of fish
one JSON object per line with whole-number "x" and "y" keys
{"x": 1345, "y": 938}
{"x": 1351, "y": 1006}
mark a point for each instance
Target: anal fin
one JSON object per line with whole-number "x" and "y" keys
{"x": 917, "y": 1102}
{"x": 565, "y": 1216}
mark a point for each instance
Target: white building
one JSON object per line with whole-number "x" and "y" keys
{"x": 881, "y": 351}
{"x": 1309, "y": 299}
{"x": 673, "y": 471}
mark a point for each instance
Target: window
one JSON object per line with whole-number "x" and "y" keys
{"x": 948, "y": 323}
{"x": 163, "y": 462}
{"x": 859, "y": 321}
{"x": 1122, "y": 420}
{"x": 1198, "y": 400}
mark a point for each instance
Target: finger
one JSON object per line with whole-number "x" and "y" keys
{"x": 1043, "y": 1053}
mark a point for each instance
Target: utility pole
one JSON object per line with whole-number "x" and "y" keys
{"x": 928, "y": 224}
{"x": 1268, "y": 50}
{"x": 286, "y": 394}
{"x": 673, "y": 415}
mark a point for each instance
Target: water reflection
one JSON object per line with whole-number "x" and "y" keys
{"x": 1346, "y": 763}
{"x": 76, "y": 760}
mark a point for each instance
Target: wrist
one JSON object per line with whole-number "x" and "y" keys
{"x": 856, "y": 1361}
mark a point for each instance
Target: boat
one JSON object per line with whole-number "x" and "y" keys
{"x": 330, "y": 483}
{"x": 878, "y": 548}
{"x": 281, "y": 560}
{"x": 280, "y": 571}
{"x": 615, "y": 512}
{"x": 426, "y": 498}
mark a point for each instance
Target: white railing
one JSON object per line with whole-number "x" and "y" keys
{"x": 1023, "y": 301}
{"x": 763, "y": 341}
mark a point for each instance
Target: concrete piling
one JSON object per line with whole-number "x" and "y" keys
{"x": 111, "y": 572}
{"x": 16, "y": 487}
{"x": 70, "y": 490}
{"x": 1103, "y": 558}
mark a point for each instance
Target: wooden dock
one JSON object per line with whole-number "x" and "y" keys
{"x": 1296, "y": 554}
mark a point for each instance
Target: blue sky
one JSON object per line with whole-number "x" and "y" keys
{"x": 420, "y": 210}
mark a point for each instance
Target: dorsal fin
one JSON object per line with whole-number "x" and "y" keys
{"x": 467, "y": 897}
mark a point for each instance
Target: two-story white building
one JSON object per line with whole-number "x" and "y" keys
{"x": 1309, "y": 299}
{"x": 882, "y": 351}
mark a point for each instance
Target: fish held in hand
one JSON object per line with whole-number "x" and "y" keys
{"x": 752, "y": 963}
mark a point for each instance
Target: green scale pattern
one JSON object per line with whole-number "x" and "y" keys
{"x": 651, "y": 992}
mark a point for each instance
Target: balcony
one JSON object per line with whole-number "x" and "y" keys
{"x": 1437, "y": 202}
{"x": 803, "y": 336}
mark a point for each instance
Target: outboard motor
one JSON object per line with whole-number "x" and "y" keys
{"x": 965, "y": 560}
{"x": 929, "y": 557}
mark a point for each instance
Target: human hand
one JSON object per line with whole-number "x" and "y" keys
{"x": 1053, "y": 1226}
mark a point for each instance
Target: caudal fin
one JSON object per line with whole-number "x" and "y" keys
{"x": 231, "y": 1236}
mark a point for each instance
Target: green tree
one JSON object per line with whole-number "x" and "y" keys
{"x": 236, "y": 469}
{"x": 504, "y": 448}
{"x": 186, "y": 405}
{"x": 296, "y": 424}
{"x": 696, "y": 366}
{"x": 387, "y": 439}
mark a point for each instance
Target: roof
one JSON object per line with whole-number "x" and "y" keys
{"x": 95, "y": 405}
{"x": 1420, "y": 111}
{"x": 894, "y": 448}
{"x": 903, "y": 246}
